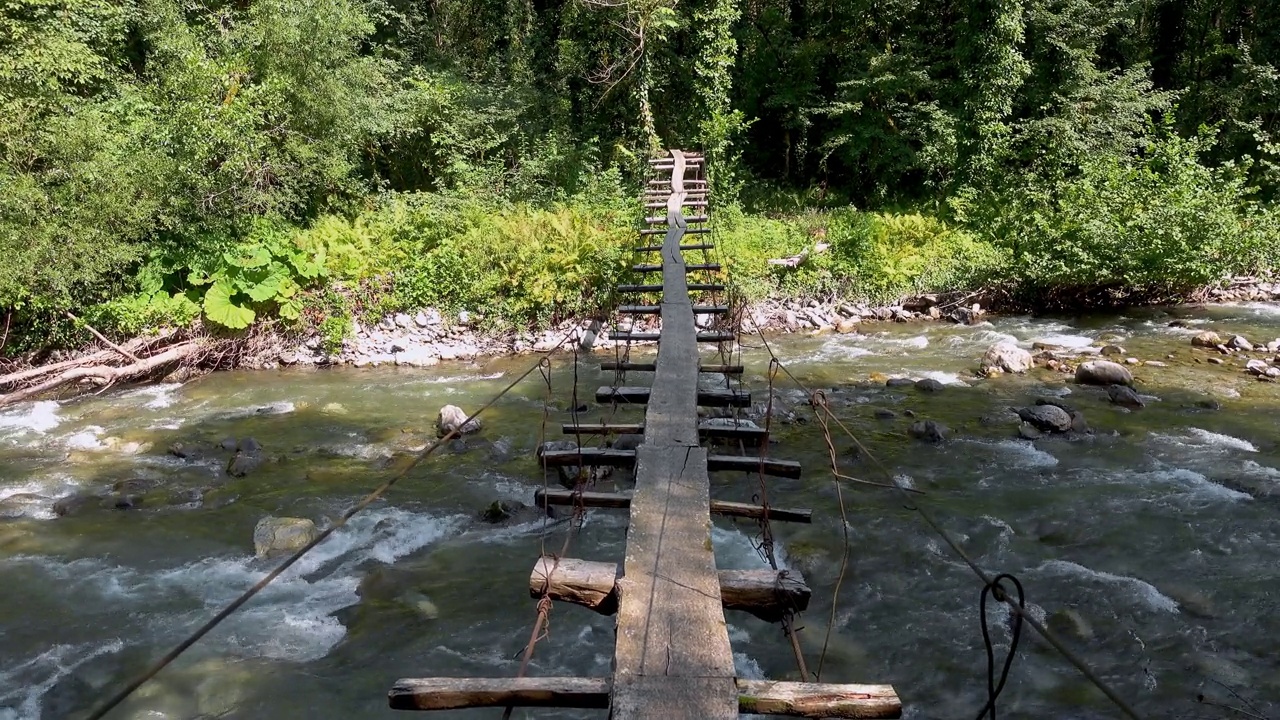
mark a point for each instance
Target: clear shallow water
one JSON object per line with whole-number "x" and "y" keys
{"x": 1143, "y": 528}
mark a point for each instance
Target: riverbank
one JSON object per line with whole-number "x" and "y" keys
{"x": 429, "y": 337}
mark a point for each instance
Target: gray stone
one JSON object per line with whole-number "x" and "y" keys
{"x": 1027, "y": 431}
{"x": 1056, "y": 403}
{"x": 846, "y": 326}
{"x": 928, "y": 430}
{"x": 403, "y": 320}
{"x": 1047, "y": 418}
{"x": 1103, "y": 372}
{"x": 884, "y": 414}
{"x": 1109, "y": 350}
{"x": 1238, "y": 342}
{"x": 387, "y": 323}
{"x": 1078, "y": 423}
{"x": 273, "y": 535}
{"x": 899, "y": 382}
{"x": 244, "y": 463}
{"x": 421, "y": 320}
{"x": 1125, "y": 396}
{"x": 452, "y": 418}
{"x": 631, "y": 442}
{"x": 1256, "y": 367}
{"x": 464, "y": 318}
{"x": 1005, "y": 357}
{"x": 929, "y": 385}
{"x": 398, "y": 346}
{"x": 1206, "y": 339}
{"x": 1155, "y": 363}
{"x": 1215, "y": 361}
{"x": 1273, "y": 346}
{"x": 501, "y": 510}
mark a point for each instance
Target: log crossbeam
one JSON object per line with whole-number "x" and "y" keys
{"x": 608, "y": 457}
{"x": 642, "y": 395}
{"x": 761, "y": 697}
{"x": 553, "y": 496}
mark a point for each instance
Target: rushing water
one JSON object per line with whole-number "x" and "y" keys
{"x": 1157, "y": 532}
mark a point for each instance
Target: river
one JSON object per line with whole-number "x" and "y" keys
{"x": 1153, "y": 542}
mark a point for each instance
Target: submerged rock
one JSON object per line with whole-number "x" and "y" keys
{"x": 1005, "y": 357}
{"x": 452, "y": 418}
{"x": 1069, "y": 621}
{"x": 1239, "y": 342}
{"x": 1103, "y": 372}
{"x": 1124, "y": 396}
{"x": 929, "y": 385}
{"x": 1047, "y": 418}
{"x": 278, "y": 535}
{"x": 928, "y": 430}
{"x": 1027, "y": 431}
{"x": 899, "y": 382}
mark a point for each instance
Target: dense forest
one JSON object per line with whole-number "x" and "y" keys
{"x": 168, "y": 162}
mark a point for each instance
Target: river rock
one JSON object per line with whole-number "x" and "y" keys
{"x": 1273, "y": 346}
{"x": 452, "y": 418}
{"x": 899, "y": 382}
{"x": 501, "y": 510}
{"x": 885, "y": 414}
{"x": 20, "y": 504}
{"x": 1078, "y": 423}
{"x": 1005, "y": 357}
{"x": 1206, "y": 339}
{"x": 633, "y": 441}
{"x": 1239, "y": 342}
{"x": 929, "y": 385}
{"x": 1257, "y": 367}
{"x": 1056, "y": 403}
{"x": 248, "y": 458}
{"x": 846, "y": 326}
{"x": 277, "y": 535}
{"x": 1124, "y": 396}
{"x": 928, "y": 430}
{"x": 1027, "y": 431}
{"x": 1109, "y": 350}
{"x": 1103, "y": 372}
{"x": 1047, "y": 418}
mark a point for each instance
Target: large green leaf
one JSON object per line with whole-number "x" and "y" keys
{"x": 268, "y": 287}
{"x": 219, "y": 308}
{"x": 291, "y": 309}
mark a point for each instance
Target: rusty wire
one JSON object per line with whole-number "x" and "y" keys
{"x": 819, "y": 402}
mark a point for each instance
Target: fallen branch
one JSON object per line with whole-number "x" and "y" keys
{"x": 134, "y": 346}
{"x": 104, "y": 374}
{"x": 128, "y": 355}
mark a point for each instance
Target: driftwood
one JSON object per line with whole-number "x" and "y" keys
{"x": 94, "y": 369}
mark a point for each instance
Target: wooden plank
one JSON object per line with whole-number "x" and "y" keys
{"x": 687, "y": 231}
{"x": 650, "y": 367}
{"x": 687, "y": 203}
{"x": 767, "y": 594}
{"x": 687, "y": 183}
{"x": 715, "y": 428}
{"x": 709, "y": 336}
{"x": 747, "y": 463}
{"x": 581, "y": 582}
{"x": 713, "y": 267}
{"x": 642, "y": 395}
{"x": 458, "y": 693}
{"x": 657, "y": 220}
{"x": 655, "y": 309}
{"x": 818, "y": 700}
{"x": 608, "y": 457}
{"x": 672, "y": 659}
{"x": 554, "y": 496}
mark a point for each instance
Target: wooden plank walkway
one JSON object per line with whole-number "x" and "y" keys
{"x": 672, "y": 657}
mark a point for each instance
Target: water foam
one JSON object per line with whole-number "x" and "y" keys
{"x": 27, "y": 682}
{"x": 157, "y": 396}
{"x": 1067, "y": 341}
{"x": 1147, "y": 592}
{"x": 1220, "y": 440}
{"x": 1020, "y": 453}
{"x": 39, "y": 417}
{"x": 1196, "y": 483}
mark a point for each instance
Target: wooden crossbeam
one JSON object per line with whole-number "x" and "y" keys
{"x": 459, "y": 693}
{"x": 688, "y": 267}
{"x": 544, "y": 497}
{"x": 608, "y": 457}
{"x": 687, "y": 231}
{"x": 706, "y": 287}
{"x": 656, "y": 309}
{"x": 710, "y": 336}
{"x": 727, "y": 429}
{"x": 652, "y": 367}
{"x": 759, "y": 697}
{"x": 767, "y": 594}
{"x": 706, "y": 398}
{"x": 662, "y": 220}
{"x": 667, "y": 183}
{"x": 685, "y": 203}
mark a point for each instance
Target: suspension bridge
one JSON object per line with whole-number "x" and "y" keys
{"x": 672, "y": 657}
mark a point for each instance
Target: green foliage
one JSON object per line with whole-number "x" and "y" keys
{"x": 1153, "y": 224}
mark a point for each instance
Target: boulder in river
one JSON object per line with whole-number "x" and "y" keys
{"x": 452, "y": 418}
{"x": 846, "y": 326}
{"x": 1005, "y": 357}
{"x": 1103, "y": 372}
{"x": 928, "y": 430}
{"x": 1239, "y": 342}
{"x": 1027, "y": 431}
{"x": 1047, "y": 418}
{"x": 929, "y": 385}
{"x": 1124, "y": 396}
{"x": 1109, "y": 350}
{"x": 277, "y": 535}
{"x": 1206, "y": 339}
{"x": 899, "y": 382}
{"x": 1257, "y": 367}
